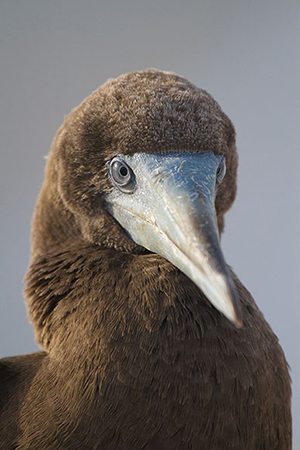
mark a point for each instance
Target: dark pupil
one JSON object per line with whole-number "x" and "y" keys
{"x": 123, "y": 171}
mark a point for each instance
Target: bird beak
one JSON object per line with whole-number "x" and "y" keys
{"x": 171, "y": 212}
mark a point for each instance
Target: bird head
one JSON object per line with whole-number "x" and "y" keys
{"x": 147, "y": 163}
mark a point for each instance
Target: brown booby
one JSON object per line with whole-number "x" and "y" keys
{"x": 149, "y": 339}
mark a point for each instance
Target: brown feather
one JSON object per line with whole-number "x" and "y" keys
{"x": 135, "y": 355}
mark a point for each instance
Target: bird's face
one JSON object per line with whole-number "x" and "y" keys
{"x": 141, "y": 164}
{"x": 166, "y": 203}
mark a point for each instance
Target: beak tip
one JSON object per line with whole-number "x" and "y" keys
{"x": 238, "y": 322}
{"x": 237, "y": 317}
{"x": 229, "y": 303}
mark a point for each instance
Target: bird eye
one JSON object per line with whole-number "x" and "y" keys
{"x": 221, "y": 171}
{"x": 121, "y": 175}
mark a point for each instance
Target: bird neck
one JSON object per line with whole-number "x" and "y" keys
{"x": 81, "y": 297}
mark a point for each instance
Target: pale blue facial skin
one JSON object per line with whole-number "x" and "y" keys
{"x": 168, "y": 207}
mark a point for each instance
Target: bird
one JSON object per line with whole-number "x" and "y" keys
{"x": 148, "y": 338}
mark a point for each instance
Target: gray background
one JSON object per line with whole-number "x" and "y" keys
{"x": 246, "y": 53}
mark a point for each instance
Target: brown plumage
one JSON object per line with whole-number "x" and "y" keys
{"x": 135, "y": 356}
